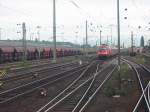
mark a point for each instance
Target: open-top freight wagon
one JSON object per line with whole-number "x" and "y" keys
{"x": 9, "y": 54}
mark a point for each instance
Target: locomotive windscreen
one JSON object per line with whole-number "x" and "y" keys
{"x": 102, "y": 49}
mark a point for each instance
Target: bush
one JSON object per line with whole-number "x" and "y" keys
{"x": 7, "y": 68}
{"x": 109, "y": 90}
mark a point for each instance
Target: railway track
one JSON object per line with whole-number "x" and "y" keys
{"x": 143, "y": 66}
{"x": 146, "y": 55}
{"x": 33, "y": 67}
{"x": 143, "y": 77}
{"x": 18, "y": 66}
{"x": 15, "y": 65}
{"x": 31, "y": 62}
{"x": 37, "y": 71}
{"x": 144, "y": 70}
{"x": 98, "y": 81}
{"x": 76, "y": 96}
{"x": 36, "y": 74}
{"x": 11, "y": 94}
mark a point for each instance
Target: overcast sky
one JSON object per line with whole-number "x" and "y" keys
{"x": 71, "y": 16}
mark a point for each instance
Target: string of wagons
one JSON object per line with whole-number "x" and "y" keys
{"x": 9, "y": 54}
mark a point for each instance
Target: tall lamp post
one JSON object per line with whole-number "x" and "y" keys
{"x": 0, "y": 33}
{"x": 86, "y": 38}
{"x": 118, "y": 29}
{"x": 24, "y": 40}
{"x": 111, "y": 33}
{"x": 54, "y": 30}
{"x": 38, "y": 33}
{"x": 100, "y": 38}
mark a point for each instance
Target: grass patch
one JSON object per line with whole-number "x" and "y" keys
{"x": 24, "y": 63}
{"x": 70, "y": 58}
{"x": 123, "y": 74}
{"x": 7, "y": 68}
{"x": 141, "y": 60}
{"x": 146, "y": 82}
{"x": 109, "y": 90}
{"x": 111, "y": 87}
{"x": 124, "y": 71}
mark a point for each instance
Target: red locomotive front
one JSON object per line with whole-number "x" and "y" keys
{"x": 103, "y": 51}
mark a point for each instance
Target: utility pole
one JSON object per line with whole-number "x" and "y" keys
{"x": 132, "y": 42}
{"x": 118, "y": 29}
{"x": 24, "y": 43}
{"x": 86, "y": 37}
{"x": 123, "y": 45}
{"x": 100, "y": 38}
{"x": 118, "y": 24}
{"x": 0, "y": 33}
{"x": 107, "y": 40}
{"x": 111, "y": 34}
{"x": 83, "y": 44}
{"x": 54, "y": 30}
{"x": 38, "y": 33}
{"x": 31, "y": 36}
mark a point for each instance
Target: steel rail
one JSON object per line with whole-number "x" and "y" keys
{"x": 55, "y": 98}
{"x": 73, "y": 91}
{"x": 37, "y": 86}
{"x": 135, "y": 108}
{"x": 32, "y": 62}
{"x": 30, "y": 73}
{"x": 140, "y": 82}
{"x": 143, "y": 66}
{"x": 88, "y": 88}
{"x": 100, "y": 86}
{"x": 95, "y": 75}
{"x": 29, "y": 91}
{"x": 41, "y": 79}
{"x": 84, "y": 94}
{"x": 147, "y": 69}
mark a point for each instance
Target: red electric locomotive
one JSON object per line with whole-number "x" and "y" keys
{"x": 105, "y": 51}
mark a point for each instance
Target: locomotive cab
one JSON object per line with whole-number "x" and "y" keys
{"x": 103, "y": 51}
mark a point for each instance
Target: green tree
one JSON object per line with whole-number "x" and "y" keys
{"x": 142, "y": 41}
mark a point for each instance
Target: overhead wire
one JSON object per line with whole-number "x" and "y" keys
{"x": 144, "y": 15}
{"x": 14, "y": 10}
{"x": 138, "y": 7}
{"x": 76, "y": 5}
